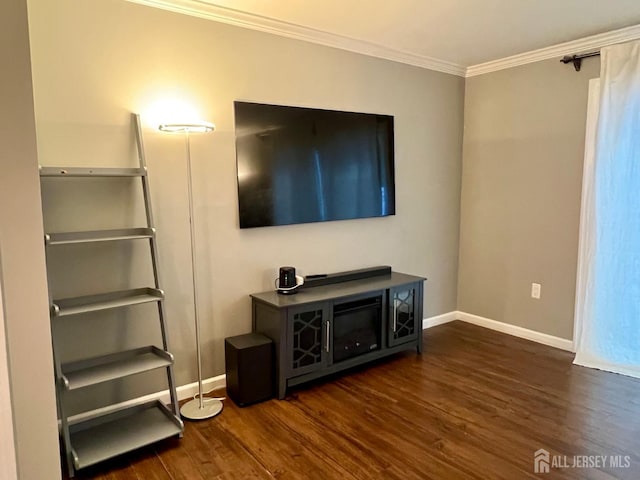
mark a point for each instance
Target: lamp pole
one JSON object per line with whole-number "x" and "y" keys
{"x": 198, "y": 408}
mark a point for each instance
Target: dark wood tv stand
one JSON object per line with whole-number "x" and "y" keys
{"x": 301, "y": 325}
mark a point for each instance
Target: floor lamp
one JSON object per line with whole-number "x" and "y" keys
{"x": 198, "y": 408}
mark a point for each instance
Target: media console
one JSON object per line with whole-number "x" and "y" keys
{"x": 325, "y": 329}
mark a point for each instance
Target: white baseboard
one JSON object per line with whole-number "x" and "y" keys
{"x": 184, "y": 392}
{"x": 439, "y": 320}
{"x": 516, "y": 331}
{"x": 507, "y": 328}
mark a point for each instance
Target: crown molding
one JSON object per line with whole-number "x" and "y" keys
{"x": 208, "y": 11}
{"x": 594, "y": 42}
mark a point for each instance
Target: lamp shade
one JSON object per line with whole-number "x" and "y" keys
{"x": 194, "y": 127}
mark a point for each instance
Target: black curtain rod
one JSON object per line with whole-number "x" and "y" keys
{"x": 577, "y": 59}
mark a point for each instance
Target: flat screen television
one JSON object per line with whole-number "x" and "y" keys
{"x": 302, "y": 165}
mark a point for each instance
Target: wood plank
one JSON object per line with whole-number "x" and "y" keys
{"x": 149, "y": 467}
{"x": 178, "y": 465}
{"x": 275, "y": 444}
{"x": 217, "y": 454}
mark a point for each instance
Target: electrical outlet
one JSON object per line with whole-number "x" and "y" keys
{"x": 535, "y": 290}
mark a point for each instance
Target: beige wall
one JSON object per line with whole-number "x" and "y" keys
{"x": 23, "y": 272}
{"x": 522, "y": 177}
{"x": 8, "y": 467}
{"x": 94, "y": 62}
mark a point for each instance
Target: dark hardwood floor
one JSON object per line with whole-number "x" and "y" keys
{"x": 475, "y": 404}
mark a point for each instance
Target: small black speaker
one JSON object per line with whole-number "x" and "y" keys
{"x": 287, "y": 278}
{"x": 249, "y": 368}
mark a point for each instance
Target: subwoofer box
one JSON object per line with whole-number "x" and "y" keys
{"x": 249, "y": 368}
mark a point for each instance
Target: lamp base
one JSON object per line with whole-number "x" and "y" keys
{"x": 192, "y": 411}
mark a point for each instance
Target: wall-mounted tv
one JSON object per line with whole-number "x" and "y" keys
{"x": 301, "y": 165}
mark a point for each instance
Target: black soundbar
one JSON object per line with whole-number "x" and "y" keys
{"x": 330, "y": 278}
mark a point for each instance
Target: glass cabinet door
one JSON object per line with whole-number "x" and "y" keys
{"x": 308, "y": 338}
{"x": 403, "y": 324}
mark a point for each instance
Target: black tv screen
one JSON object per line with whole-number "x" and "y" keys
{"x": 301, "y": 165}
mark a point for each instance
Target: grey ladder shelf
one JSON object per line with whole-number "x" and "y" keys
{"x": 122, "y": 429}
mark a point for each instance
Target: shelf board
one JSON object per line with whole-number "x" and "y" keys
{"x": 92, "y": 371}
{"x": 91, "y": 172}
{"x": 104, "y": 437}
{"x": 68, "y": 238}
{"x": 105, "y": 301}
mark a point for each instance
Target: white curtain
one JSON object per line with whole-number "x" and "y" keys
{"x": 608, "y": 287}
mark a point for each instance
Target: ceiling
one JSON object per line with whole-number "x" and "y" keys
{"x": 462, "y": 33}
